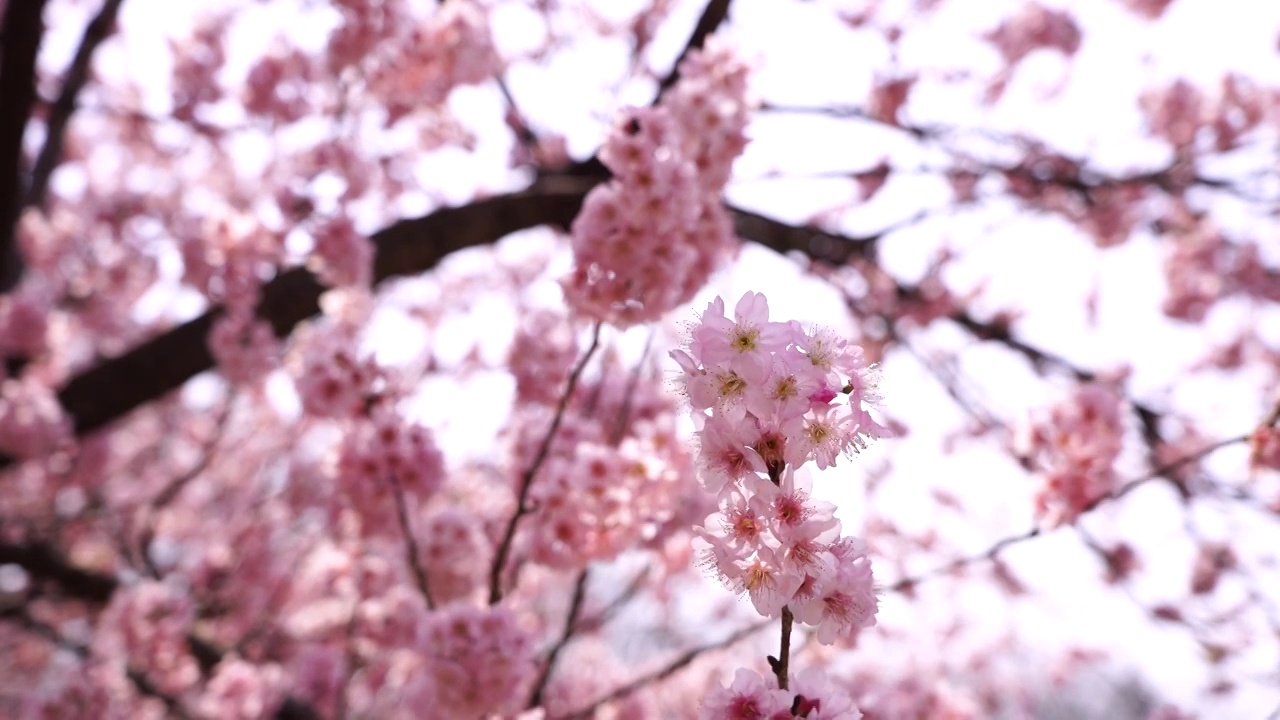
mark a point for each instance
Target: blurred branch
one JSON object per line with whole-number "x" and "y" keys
{"x": 675, "y": 665}
{"x": 1148, "y": 417}
{"x": 526, "y": 480}
{"x": 20, "y": 36}
{"x": 412, "y": 556}
{"x": 1040, "y": 168}
{"x": 908, "y": 583}
{"x": 620, "y": 601}
{"x": 60, "y": 113}
{"x": 111, "y": 389}
{"x": 716, "y": 12}
{"x": 43, "y": 562}
{"x": 570, "y": 627}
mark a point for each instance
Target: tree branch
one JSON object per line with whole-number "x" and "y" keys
{"x": 20, "y": 37}
{"x": 997, "y": 547}
{"x": 716, "y": 12}
{"x": 412, "y": 557}
{"x": 111, "y": 389}
{"x": 43, "y": 562}
{"x": 108, "y": 391}
{"x": 65, "y": 106}
{"x": 676, "y": 664}
{"x": 526, "y": 480}
{"x": 570, "y": 627}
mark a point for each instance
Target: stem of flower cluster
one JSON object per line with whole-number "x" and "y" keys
{"x": 784, "y": 652}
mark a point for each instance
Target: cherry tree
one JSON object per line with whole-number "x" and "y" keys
{"x": 709, "y": 359}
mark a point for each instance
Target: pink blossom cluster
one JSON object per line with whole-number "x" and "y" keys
{"x": 611, "y": 479}
{"x": 456, "y": 553}
{"x": 752, "y": 697}
{"x": 1204, "y": 267}
{"x": 1077, "y": 444}
{"x": 453, "y": 47}
{"x": 382, "y": 454}
{"x": 24, "y": 321}
{"x": 241, "y": 690}
{"x": 333, "y": 381}
{"x": 228, "y": 269}
{"x": 769, "y": 398}
{"x": 479, "y": 661}
{"x": 1265, "y": 447}
{"x": 145, "y": 628}
{"x": 32, "y": 422}
{"x": 646, "y": 241}
{"x": 244, "y": 346}
{"x": 342, "y": 255}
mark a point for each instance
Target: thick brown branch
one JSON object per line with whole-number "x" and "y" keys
{"x": 43, "y": 562}
{"x": 20, "y": 37}
{"x": 108, "y": 391}
{"x": 65, "y": 106}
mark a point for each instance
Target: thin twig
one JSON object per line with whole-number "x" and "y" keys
{"x": 60, "y": 113}
{"x": 632, "y": 589}
{"x": 997, "y": 547}
{"x": 628, "y": 400}
{"x": 411, "y": 544}
{"x": 666, "y": 671}
{"x": 570, "y": 627}
{"x": 526, "y": 481}
{"x": 716, "y": 12}
{"x": 519, "y": 124}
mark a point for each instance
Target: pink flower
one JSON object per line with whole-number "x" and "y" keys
{"x": 848, "y": 602}
{"x": 765, "y": 581}
{"x": 746, "y": 344}
{"x": 788, "y": 506}
{"x": 787, "y": 391}
{"x": 749, "y": 697}
{"x": 817, "y": 698}
{"x": 737, "y": 530}
{"x": 724, "y": 455}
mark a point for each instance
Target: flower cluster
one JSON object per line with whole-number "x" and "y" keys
{"x": 769, "y": 398}
{"x": 32, "y": 422}
{"x": 333, "y": 381}
{"x": 612, "y": 476}
{"x": 383, "y": 455}
{"x": 478, "y": 661}
{"x": 750, "y": 696}
{"x": 1078, "y": 444}
{"x": 145, "y": 628}
{"x": 649, "y": 239}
